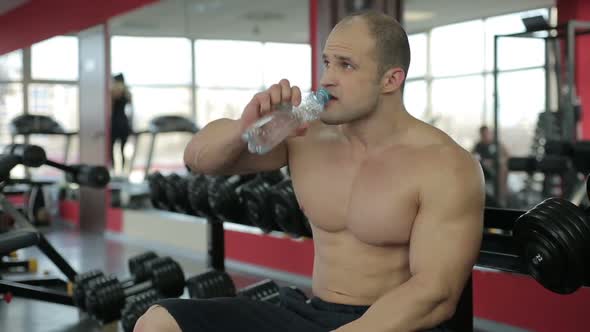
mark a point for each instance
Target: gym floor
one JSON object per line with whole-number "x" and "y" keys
{"x": 87, "y": 251}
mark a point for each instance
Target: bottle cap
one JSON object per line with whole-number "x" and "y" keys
{"x": 323, "y": 96}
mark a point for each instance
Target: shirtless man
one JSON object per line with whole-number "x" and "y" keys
{"x": 396, "y": 206}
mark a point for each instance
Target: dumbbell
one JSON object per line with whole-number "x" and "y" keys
{"x": 136, "y": 307}
{"x": 137, "y": 267}
{"x": 177, "y": 193}
{"x": 554, "y": 242}
{"x": 198, "y": 195}
{"x": 157, "y": 184}
{"x": 265, "y": 291}
{"x": 105, "y": 302}
{"x": 254, "y": 196}
{"x": 214, "y": 284}
{"x": 224, "y": 200}
{"x": 286, "y": 212}
{"x": 211, "y": 284}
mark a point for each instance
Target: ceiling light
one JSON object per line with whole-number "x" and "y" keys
{"x": 417, "y": 15}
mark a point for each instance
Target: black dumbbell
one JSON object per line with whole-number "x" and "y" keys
{"x": 198, "y": 195}
{"x": 176, "y": 189}
{"x": 212, "y": 284}
{"x": 224, "y": 200}
{"x": 285, "y": 208}
{"x": 81, "y": 283}
{"x": 136, "y": 307}
{"x": 157, "y": 184}
{"x": 265, "y": 291}
{"x": 554, "y": 240}
{"x": 104, "y": 303}
{"x": 137, "y": 268}
{"x": 254, "y": 196}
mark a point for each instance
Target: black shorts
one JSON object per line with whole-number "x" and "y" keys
{"x": 294, "y": 313}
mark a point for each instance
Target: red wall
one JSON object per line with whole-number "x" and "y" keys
{"x": 38, "y": 20}
{"x": 580, "y": 10}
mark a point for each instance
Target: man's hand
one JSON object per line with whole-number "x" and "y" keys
{"x": 268, "y": 101}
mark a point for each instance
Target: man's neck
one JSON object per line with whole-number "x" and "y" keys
{"x": 381, "y": 128}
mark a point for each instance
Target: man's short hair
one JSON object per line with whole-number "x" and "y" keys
{"x": 483, "y": 129}
{"x": 392, "y": 47}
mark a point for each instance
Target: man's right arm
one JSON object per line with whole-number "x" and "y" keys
{"x": 218, "y": 149}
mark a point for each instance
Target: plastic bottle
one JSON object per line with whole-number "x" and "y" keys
{"x": 270, "y": 130}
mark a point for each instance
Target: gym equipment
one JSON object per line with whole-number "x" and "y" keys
{"x": 224, "y": 199}
{"x": 578, "y": 152}
{"x": 105, "y": 301}
{"x": 285, "y": 208}
{"x": 265, "y": 290}
{"x": 25, "y": 235}
{"x": 31, "y": 124}
{"x": 136, "y": 307}
{"x": 161, "y": 125}
{"x": 198, "y": 195}
{"x": 6, "y": 222}
{"x": 157, "y": 185}
{"x": 213, "y": 284}
{"x": 176, "y": 189}
{"x": 554, "y": 237}
{"x": 84, "y": 282}
{"x": 254, "y": 196}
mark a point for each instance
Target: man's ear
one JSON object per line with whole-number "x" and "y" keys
{"x": 393, "y": 79}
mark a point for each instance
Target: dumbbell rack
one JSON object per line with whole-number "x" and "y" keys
{"x": 215, "y": 244}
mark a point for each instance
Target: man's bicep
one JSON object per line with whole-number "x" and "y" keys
{"x": 446, "y": 236}
{"x": 251, "y": 163}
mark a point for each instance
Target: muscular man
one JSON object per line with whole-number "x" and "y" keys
{"x": 396, "y": 205}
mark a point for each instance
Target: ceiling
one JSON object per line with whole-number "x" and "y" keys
{"x": 8, "y": 5}
{"x": 287, "y": 20}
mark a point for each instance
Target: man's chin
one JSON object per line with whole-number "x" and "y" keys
{"x": 330, "y": 120}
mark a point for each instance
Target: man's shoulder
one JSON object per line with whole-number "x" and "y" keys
{"x": 443, "y": 157}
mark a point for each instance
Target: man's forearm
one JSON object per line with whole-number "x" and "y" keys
{"x": 413, "y": 306}
{"x": 216, "y": 146}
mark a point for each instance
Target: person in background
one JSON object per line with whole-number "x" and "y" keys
{"x": 121, "y": 121}
{"x": 485, "y": 150}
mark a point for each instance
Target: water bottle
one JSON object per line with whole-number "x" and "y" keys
{"x": 272, "y": 129}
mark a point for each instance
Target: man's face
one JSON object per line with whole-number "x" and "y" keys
{"x": 350, "y": 73}
{"x": 486, "y": 136}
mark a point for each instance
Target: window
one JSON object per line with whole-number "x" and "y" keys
{"x": 55, "y": 59}
{"x": 11, "y": 105}
{"x": 221, "y": 103}
{"x": 512, "y": 52}
{"x": 419, "y": 53}
{"x": 457, "y": 106}
{"x": 416, "y": 98}
{"x": 153, "y": 101}
{"x": 290, "y": 61}
{"x": 229, "y": 64}
{"x": 59, "y": 101}
{"x": 521, "y": 98}
{"x": 158, "y": 72}
{"x": 11, "y": 66}
{"x": 150, "y": 102}
{"x": 152, "y": 60}
{"x": 457, "y": 49}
